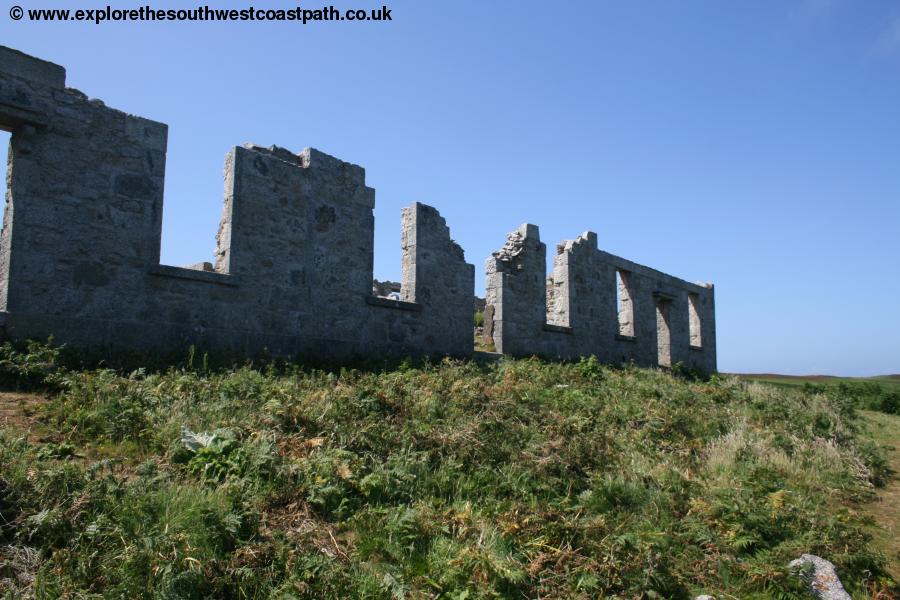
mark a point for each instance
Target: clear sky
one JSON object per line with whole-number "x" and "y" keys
{"x": 752, "y": 144}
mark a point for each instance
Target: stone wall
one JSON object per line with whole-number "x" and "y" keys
{"x": 292, "y": 273}
{"x": 79, "y": 251}
{"x": 594, "y": 303}
{"x": 391, "y": 289}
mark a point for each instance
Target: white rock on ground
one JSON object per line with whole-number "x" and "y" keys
{"x": 822, "y": 577}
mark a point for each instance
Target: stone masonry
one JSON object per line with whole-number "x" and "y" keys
{"x": 292, "y": 274}
{"x": 79, "y": 252}
{"x": 594, "y": 303}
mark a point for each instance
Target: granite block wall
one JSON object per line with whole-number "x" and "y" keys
{"x": 595, "y": 303}
{"x": 80, "y": 246}
{"x": 293, "y": 258}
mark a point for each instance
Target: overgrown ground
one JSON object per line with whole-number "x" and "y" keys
{"x": 885, "y": 509}
{"x": 520, "y": 479}
{"x": 877, "y": 393}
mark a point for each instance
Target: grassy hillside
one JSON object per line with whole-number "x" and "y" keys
{"x": 876, "y": 393}
{"x": 521, "y": 479}
{"x": 891, "y": 383}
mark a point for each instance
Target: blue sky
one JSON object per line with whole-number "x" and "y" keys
{"x": 755, "y": 145}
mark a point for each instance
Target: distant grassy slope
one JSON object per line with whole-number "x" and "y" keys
{"x": 875, "y": 393}
{"x": 520, "y": 479}
{"x": 890, "y": 382}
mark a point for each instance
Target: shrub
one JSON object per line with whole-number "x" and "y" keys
{"x": 33, "y": 366}
{"x": 522, "y": 478}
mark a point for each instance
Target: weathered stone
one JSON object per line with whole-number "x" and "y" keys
{"x": 134, "y": 185}
{"x": 821, "y": 576}
{"x": 201, "y": 266}
{"x": 292, "y": 270}
{"x": 19, "y": 64}
{"x": 79, "y": 251}
{"x": 656, "y": 320}
{"x": 487, "y": 335}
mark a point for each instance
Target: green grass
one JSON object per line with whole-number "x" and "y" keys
{"x": 517, "y": 479}
{"x": 875, "y": 393}
{"x": 891, "y": 383}
{"x": 885, "y": 509}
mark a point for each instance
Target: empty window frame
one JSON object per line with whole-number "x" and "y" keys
{"x": 694, "y": 323}
{"x": 624, "y": 303}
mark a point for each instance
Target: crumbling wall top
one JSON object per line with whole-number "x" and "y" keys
{"x": 315, "y": 159}
{"x": 294, "y": 254}
{"x": 510, "y": 255}
{"x": 585, "y": 241}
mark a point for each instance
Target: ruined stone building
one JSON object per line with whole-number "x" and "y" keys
{"x": 594, "y": 303}
{"x": 293, "y": 270}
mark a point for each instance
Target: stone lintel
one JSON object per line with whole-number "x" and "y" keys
{"x": 12, "y": 116}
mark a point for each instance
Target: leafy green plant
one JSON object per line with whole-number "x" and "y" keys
{"x": 32, "y": 366}
{"x": 520, "y": 478}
